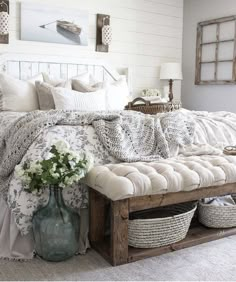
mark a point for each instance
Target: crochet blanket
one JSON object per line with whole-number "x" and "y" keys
{"x": 128, "y": 136}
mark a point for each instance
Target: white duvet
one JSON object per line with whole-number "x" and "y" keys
{"x": 213, "y": 131}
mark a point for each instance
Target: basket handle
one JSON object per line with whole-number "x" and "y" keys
{"x": 139, "y": 99}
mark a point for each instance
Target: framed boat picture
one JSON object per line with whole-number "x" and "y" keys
{"x": 44, "y": 23}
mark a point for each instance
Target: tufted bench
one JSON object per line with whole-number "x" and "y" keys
{"x": 119, "y": 189}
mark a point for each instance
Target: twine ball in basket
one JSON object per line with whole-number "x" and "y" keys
{"x": 217, "y": 216}
{"x": 164, "y": 226}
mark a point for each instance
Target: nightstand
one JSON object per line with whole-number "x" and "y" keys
{"x": 147, "y": 107}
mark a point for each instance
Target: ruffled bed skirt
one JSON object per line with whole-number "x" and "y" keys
{"x": 14, "y": 246}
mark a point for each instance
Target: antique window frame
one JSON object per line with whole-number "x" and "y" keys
{"x": 199, "y": 62}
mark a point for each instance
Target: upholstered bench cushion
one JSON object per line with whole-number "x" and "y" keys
{"x": 125, "y": 180}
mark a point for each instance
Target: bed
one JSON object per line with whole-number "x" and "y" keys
{"x": 16, "y": 241}
{"x": 212, "y": 131}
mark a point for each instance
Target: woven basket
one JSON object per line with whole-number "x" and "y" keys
{"x": 147, "y": 107}
{"x": 217, "y": 216}
{"x": 160, "y": 227}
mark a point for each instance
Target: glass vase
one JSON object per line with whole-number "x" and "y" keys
{"x": 56, "y": 229}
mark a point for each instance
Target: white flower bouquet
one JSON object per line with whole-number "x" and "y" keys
{"x": 62, "y": 168}
{"x": 151, "y": 92}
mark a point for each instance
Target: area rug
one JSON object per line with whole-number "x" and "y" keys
{"x": 211, "y": 261}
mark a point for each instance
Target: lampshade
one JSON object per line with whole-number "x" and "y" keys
{"x": 171, "y": 71}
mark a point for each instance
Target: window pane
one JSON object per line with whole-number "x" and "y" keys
{"x": 227, "y": 30}
{"x": 226, "y": 51}
{"x": 208, "y": 52}
{"x": 209, "y": 33}
{"x": 224, "y": 71}
{"x": 207, "y": 71}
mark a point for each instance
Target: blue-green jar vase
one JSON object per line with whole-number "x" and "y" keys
{"x": 56, "y": 229}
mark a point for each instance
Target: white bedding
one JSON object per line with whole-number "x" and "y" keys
{"x": 216, "y": 128}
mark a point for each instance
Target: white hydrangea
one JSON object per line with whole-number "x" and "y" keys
{"x": 69, "y": 181}
{"x": 53, "y": 169}
{"x": 35, "y": 168}
{"x": 26, "y": 179}
{"x": 62, "y": 146}
{"x": 72, "y": 164}
{"x": 62, "y": 170}
{"x": 74, "y": 178}
{"x": 75, "y": 156}
{"x": 55, "y": 175}
{"x": 70, "y": 158}
{"x": 19, "y": 171}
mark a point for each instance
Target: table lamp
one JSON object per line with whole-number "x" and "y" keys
{"x": 171, "y": 71}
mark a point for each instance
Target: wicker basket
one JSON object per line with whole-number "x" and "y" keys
{"x": 160, "y": 227}
{"x": 148, "y": 107}
{"x": 217, "y": 216}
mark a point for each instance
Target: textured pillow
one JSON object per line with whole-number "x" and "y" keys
{"x": 84, "y": 77}
{"x": 44, "y": 91}
{"x": 81, "y": 86}
{"x": 72, "y": 100}
{"x": 38, "y": 77}
{"x": 117, "y": 95}
{"x": 17, "y": 95}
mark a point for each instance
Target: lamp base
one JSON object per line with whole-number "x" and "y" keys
{"x": 171, "y": 90}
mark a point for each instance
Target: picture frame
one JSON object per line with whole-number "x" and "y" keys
{"x": 45, "y": 23}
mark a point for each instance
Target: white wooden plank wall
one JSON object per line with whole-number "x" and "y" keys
{"x": 146, "y": 33}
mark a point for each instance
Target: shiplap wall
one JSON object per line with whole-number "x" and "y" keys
{"x": 145, "y": 34}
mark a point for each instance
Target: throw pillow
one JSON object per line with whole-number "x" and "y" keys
{"x": 73, "y": 100}
{"x": 117, "y": 95}
{"x": 45, "y": 97}
{"x": 81, "y": 86}
{"x": 17, "y": 95}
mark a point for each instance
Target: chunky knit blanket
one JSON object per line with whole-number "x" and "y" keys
{"x": 128, "y": 136}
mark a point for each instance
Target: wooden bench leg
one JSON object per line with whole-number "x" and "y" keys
{"x": 97, "y": 217}
{"x": 119, "y": 232}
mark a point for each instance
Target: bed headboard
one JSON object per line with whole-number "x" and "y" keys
{"x": 26, "y": 66}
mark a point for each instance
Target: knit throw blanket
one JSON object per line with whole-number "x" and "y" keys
{"x": 128, "y": 136}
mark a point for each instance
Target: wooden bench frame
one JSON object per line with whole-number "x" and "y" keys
{"x": 114, "y": 246}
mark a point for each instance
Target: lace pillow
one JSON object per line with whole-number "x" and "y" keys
{"x": 73, "y": 100}
{"x": 44, "y": 91}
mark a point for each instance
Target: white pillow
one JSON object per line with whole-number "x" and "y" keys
{"x": 18, "y": 95}
{"x": 80, "y": 86}
{"x": 66, "y": 99}
{"x": 44, "y": 91}
{"x": 117, "y": 95}
{"x": 38, "y": 77}
{"x": 84, "y": 77}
